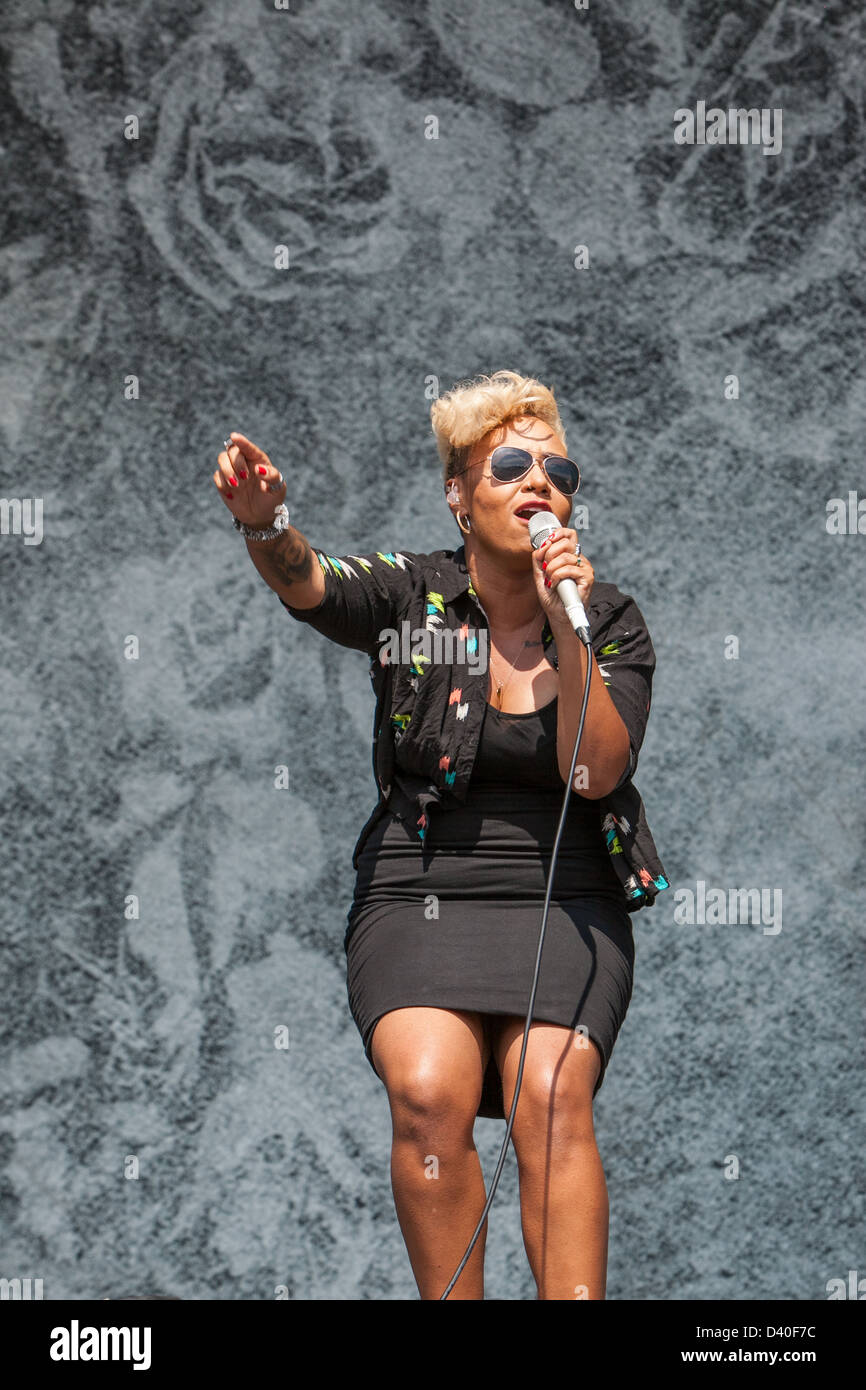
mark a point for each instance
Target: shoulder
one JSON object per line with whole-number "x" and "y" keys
{"x": 433, "y": 559}
{"x": 389, "y": 566}
{"x": 427, "y": 566}
{"x": 403, "y": 559}
{"x": 608, "y": 601}
{"x": 614, "y": 614}
{"x": 440, "y": 561}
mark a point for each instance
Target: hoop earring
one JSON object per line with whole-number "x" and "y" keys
{"x": 468, "y": 527}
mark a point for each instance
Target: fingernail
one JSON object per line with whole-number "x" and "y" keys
{"x": 547, "y": 582}
{"x": 261, "y": 470}
{"x": 233, "y": 481}
{"x": 544, "y": 564}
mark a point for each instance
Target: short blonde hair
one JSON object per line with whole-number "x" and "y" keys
{"x": 471, "y": 408}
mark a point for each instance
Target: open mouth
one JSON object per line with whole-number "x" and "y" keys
{"x": 526, "y": 511}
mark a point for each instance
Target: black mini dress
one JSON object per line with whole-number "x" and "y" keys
{"x": 454, "y": 924}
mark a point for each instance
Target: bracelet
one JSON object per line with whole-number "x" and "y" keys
{"x": 267, "y": 533}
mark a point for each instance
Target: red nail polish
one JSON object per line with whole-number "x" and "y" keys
{"x": 547, "y": 582}
{"x": 233, "y": 481}
{"x": 243, "y": 474}
{"x": 261, "y": 470}
{"x": 544, "y": 564}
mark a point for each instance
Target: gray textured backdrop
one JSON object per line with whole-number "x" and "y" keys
{"x": 415, "y": 262}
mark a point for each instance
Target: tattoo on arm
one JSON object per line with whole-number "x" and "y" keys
{"x": 290, "y": 558}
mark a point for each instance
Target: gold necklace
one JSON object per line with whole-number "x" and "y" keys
{"x": 500, "y": 685}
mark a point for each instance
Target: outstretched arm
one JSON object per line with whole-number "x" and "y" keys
{"x": 352, "y": 599}
{"x": 252, "y": 489}
{"x": 289, "y": 566}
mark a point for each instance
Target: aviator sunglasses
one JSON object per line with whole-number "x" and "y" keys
{"x": 508, "y": 464}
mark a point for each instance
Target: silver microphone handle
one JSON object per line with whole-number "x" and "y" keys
{"x": 539, "y": 529}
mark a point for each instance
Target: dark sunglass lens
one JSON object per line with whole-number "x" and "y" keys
{"x": 508, "y": 464}
{"x": 564, "y": 475}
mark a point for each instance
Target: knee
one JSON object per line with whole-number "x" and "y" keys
{"x": 427, "y": 1101}
{"x": 553, "y": 1110}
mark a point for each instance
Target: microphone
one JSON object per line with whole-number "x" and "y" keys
{"x": 540, "y": 526}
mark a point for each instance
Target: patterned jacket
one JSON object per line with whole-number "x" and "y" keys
{"x": 420, "y": 621}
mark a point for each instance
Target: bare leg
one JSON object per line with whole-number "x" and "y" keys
{"x": 563, "y": 1194}
{"x": 432, "y": 1062}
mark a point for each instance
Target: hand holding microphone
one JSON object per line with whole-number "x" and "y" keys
{"x": 563, "y": 576}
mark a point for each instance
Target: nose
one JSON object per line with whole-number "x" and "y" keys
{"x": 537, "y": 475}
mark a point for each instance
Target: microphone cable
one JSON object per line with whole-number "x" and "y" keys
{"x": 555, "y": 851}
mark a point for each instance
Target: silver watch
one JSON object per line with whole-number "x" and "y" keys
{"x": 268, "y": 533}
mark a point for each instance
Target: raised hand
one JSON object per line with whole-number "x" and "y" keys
{"x": 557, "y": 559}
{"x": 247, "y": 481}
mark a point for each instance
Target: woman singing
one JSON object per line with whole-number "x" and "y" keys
{"x": 478, "y": 676}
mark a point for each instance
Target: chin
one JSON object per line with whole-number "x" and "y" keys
{"x": 516, "y": 549}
